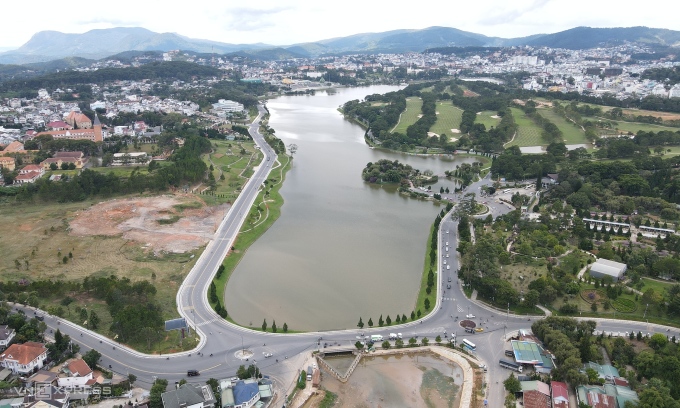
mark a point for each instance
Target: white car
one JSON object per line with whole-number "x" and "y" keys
{"x": 470, "y": 316}
{"x": 444, "y": 261}
{"x": 267, "y": 355}
{"x": 447, "y": 255}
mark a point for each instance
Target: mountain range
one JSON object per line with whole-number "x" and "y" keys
{"x": 97, "y": 44}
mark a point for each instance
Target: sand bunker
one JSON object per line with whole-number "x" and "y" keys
{"x": 137, "y": 219}
{"x": 432, "y": 134}
{"x": 495, "y": 116}
{"x": 420, "y": 116}
{"x": 455, "y": 130}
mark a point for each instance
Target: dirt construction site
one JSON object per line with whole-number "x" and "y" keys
{"x": 164, "y": 224}
{"x": 141, "y": 237}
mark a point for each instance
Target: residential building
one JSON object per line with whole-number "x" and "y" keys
{"x": 47, "y": 396}
{"x": 7, "y": 163}
{"x": 603, "y": 268}
{"x": 189, "y": 396}
{"x": 604, "y": 371}
{"x": 29, "y": 174}
{"x": 241, "y": 394}
{"x": 78, "y": 374}
{"x": 536, "y": 394}
{"x": 77, "y": 158}
{"x": 58, "y": 125}
{"x": 560, "y": 394}
{"x": 24, "y": 358}
{"x": 6, "y": 336}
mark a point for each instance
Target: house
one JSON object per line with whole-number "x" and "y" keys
{"x": 536, "y": 394}
{"x": 604, "y": 371}
{"x": 29, "y": 174}
{"x": 246, "y": 393}
{"x": 42, "y": 377}
{"x": 78, "y": 374}
{"x": 560, "y": 394}
{"x": 47, "y": 396}
{"x": 189, "y": 396}
{"x": 24, "y": 358}
{"x": 604, "y": 267}
{"x": 6, "y": 335}
{"x": 7, "y": 163}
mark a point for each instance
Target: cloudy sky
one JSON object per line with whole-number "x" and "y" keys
{"x": 284, "y": 22}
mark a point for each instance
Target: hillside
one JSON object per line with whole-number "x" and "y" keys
{"x": 96, "y": 44}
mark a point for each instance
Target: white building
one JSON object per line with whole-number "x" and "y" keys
{"x": 98, "y": 105}
{"x": 228, "y": 106}
{"x": 6, "y": 334}
{"x": 675, "y": 91}
{"x": 24, "y": 359}
{"x": 604, "y": 267}
{"x": 127, "y": 159}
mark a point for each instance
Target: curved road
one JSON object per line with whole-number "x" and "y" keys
{"x": 219, "y": 352}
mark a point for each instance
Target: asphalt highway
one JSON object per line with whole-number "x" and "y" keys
{"x": 220, "y": 351}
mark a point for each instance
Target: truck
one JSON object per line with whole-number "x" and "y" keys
{"x": 376, "y": 337}
{"x": 310, "y": 371}
{"x": 393, "y": 336}
{"x": 511, "y": 365}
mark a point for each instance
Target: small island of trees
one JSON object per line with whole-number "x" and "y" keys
{"x": 386, "y": 171}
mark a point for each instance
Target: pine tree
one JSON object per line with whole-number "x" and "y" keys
{"x": 360, "y": 324}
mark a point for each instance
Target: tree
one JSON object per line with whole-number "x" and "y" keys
{"x": 386, "y": 345}
{"x": 512, "y": 384}
{"x": 92, "y": 358}
{"x": 360, "y": 324}
{"x": 264, "y": 325}
{"x": 412, "y": 342}
{"x": 370, "y": 322}
{"x": 274, "y": 326}
{"x": 658, "y": 341}
{"x": 93, "y": 321}
{"x": 438, "y": 339}
{"x": 158, "y": 388}
{"x": 359, "y": 345}
{"x": 285, "y": 327}
{"x": 413, "y": 315}
{"x": 381, "y": 322}
{"x": 425, "y": 341}
{"x": 388, "y": 320}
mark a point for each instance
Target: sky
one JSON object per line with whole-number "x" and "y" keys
{"x": 286, "y": 22}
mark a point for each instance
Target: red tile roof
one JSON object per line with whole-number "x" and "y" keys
{"x": 23, "y": 353}
{"x": 79, "y": 368}
{"x": 560, "y": 394}
{"x": 536, "y": 399}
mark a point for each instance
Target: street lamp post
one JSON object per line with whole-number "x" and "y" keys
{"x": 645, "y": 315}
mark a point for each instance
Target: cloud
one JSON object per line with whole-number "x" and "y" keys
{"x": 251, "y": 19}
{"x": 508, "y": 16}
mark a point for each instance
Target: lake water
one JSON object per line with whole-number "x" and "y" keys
{"x": 341, "y": 248}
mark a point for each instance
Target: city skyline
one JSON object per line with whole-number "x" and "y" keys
{"x": 288, "y": 22}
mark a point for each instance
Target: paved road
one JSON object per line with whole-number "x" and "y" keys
{"x": 218, "y": 354}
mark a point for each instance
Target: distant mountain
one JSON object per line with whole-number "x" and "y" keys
{"x": 587, "y": 37}
{"x": 96, "y": 44}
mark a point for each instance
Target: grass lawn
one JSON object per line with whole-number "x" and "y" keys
{"x": 486, "y": 119}
{"x": 528, "y": 133}
{"x": 448, "y": 117}
{"x": 227, "y": 159}
{"x": 631, "y": 127}
{"x": 572, "y": 133}
{"x": 658, "y": 286}
{"x": 529, "y": 271}
{"x": 653, "y": 315}
{"x": 410, "y": 115}
{"x": 122, "y": 171}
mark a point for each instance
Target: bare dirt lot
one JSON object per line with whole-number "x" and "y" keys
{"x": 161, "y": 224}
{"x": 412, "y": 380}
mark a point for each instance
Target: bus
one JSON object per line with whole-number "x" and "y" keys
{"x": 469, "y": 345}
{"x": 511, "y": 365}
